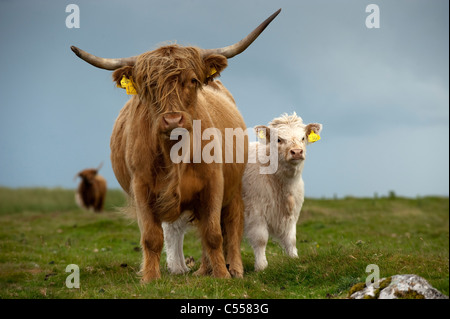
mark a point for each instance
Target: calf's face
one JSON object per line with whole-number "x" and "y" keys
{"x": 291, "y": 140}
{"x": 292, "y": 144}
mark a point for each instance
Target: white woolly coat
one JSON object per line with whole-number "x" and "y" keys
{"x": 273, "y": 201}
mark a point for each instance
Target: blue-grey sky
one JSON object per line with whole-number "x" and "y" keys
{"x": 381, "y": 94}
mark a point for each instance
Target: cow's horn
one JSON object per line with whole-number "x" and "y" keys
{"x": 100, "y": 166}
{"x": 229, "y": 51}
{"x": 234, "y": 49}
{"x": 102, "y": 63}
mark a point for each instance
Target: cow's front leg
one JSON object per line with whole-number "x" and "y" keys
{"x": 233, "y": 229}
{"x": 210, "y": 228}
{"x": 152, "y": 236}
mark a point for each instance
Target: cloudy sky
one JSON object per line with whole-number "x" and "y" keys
{"x": 381, "y": 93}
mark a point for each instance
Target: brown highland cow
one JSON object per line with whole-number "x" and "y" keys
{"x": 91, "y": 191}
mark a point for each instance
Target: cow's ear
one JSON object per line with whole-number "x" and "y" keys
{"x": 214, "y": 64}
{"x": 119, "y": 73}
{"x": 263, "y": 133}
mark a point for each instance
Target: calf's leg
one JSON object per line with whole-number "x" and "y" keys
{"x": 173, "y": 239}
{"x": 258, "y": 235}
{"x": 290, "y": 240}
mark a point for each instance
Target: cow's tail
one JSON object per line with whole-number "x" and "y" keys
{"x": 129, "y": 210}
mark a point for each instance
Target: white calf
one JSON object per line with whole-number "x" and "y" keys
{"x": 273, "y": 202}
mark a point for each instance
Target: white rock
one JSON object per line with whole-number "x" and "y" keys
{"x": 400, "y": 285}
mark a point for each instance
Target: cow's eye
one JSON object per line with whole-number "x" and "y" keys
{"x": 303, "y": 139}
{"x": 195, "y": 81}
{"x": 279, "y": 140}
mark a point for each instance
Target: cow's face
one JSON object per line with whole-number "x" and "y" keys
{"x": 292, "y": 138}
{"x": 88, "y": 175}
{"x": 168, "y": 80}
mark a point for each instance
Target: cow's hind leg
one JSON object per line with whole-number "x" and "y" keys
{"x": 233, "y": 228}
{"x": 205, "y": 266}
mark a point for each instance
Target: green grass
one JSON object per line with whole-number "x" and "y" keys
{"x": 42, "y": 231}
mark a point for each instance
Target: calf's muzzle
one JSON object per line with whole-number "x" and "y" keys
{"x": 297, "y": 154}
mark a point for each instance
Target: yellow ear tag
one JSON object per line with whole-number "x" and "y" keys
{"x": 313, "y": 137}
{"x": 127, "y": 84}
{"x": 213, "y": 71}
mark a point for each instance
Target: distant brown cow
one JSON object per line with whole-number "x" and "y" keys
{"x": 174, "y": 87}
{"x": 91, "y": 190}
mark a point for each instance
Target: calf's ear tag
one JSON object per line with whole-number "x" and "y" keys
{"x": 313, "y": 137}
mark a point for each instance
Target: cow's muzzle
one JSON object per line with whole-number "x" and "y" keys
{"x": 172, "y": 120}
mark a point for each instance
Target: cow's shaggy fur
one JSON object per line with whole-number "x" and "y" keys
{"x": 174, "y": 82}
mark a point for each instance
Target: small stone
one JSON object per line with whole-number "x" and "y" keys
{"x": 49, "y": 275}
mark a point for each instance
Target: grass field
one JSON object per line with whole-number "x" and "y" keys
{"x": 42, "y": 231}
